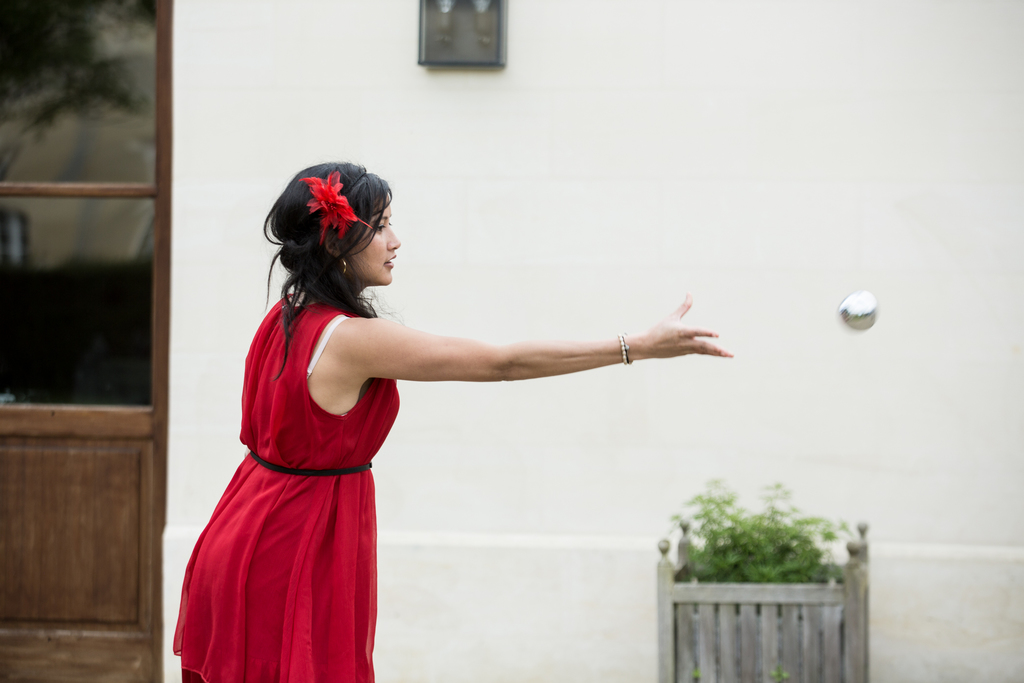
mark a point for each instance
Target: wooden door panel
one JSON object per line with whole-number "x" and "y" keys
{"x": 77, "y": 560}
{"x": 69, "y": 535}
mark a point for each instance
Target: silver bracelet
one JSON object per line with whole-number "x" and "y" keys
{"x": 624, "y": 347}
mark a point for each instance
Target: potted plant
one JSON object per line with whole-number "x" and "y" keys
{"x": 755, "y": 596}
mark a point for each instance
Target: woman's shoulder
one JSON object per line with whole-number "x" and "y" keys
{"x": 309, "y": 320}
{"x": 304, "y": 312}
{"x": 320, "y": 309}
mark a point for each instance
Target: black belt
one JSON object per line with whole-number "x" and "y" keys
{"x": 310, "y": 473}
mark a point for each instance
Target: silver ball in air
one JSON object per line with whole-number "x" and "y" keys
{"x": 859, "y": 310}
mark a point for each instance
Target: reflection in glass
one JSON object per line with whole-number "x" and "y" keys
{"x": 75, "y": 300}
{"x": 77, "y": 87}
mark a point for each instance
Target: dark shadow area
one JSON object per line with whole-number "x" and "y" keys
{"x": 76, "y": 334}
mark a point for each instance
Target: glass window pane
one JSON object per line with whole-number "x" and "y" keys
{"x": 75, "y": 300}
{"x": 77, "y": 87}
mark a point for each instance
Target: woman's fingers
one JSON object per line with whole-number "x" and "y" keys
{"x": 692, "y": 332}
{"x": 709, "y": 349}
{"x": 681, "y": 311}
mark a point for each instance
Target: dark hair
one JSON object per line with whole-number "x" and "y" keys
{"x": 314, "y": 269}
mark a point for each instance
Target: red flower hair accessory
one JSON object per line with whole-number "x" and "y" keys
{"x": 327, "y": 197}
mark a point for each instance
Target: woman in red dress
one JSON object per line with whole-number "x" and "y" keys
{"x": 282, "y": 584}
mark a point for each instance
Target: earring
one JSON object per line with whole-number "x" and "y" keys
{"x": 344, "y": 267}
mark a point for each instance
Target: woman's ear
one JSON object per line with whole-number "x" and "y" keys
{"x": 332, "y": 246}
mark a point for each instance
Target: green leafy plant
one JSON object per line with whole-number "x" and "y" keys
{"x": 777, "y": 545}
{"x": 779, "y": 674}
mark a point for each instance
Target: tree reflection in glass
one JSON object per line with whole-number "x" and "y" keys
{"x": 77, "y": 83}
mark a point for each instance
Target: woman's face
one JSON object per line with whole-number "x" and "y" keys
{"x": 374, "y": 263}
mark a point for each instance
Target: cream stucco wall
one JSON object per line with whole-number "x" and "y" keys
{"x": 770, "y": 157}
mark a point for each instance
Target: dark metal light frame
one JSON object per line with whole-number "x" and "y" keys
{"x": 453, "y": 39}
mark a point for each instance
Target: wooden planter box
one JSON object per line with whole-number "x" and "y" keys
{"x": 744, "y": 632}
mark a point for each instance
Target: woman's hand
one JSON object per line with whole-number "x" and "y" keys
{"x": 670, "y": 338}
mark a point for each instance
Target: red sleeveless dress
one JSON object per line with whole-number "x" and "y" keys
{"x": 282, "y": 585}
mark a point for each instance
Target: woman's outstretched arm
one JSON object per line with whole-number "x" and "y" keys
{"x": 361, "y": 348}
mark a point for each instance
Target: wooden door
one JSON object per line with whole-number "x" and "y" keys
{"x": 84, "y": 325}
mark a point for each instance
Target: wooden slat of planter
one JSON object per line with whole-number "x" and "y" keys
{"x": 769, "y": 641}
{"x": 855, "y": 625}
{"x": 727, "y": 644}
{"x": 706, "y": 663}
{"x": 667, "y": 615}
{"x": 832, "y": 619}
{"x": 791, "y": 642}
{"x": 811, "y": 671}
{"x": 685, "y": 644}
{"x": 757, "y": 593}
{"x": 748, "y": 643}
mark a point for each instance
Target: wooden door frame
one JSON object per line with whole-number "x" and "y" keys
{"x": 147, "y": 424}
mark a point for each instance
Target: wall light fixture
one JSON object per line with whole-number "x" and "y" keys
{"x": 462, "y": 33}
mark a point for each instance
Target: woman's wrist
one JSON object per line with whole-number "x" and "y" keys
{"x": 624, "y": 349}
{"x": 636, "y": 345}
